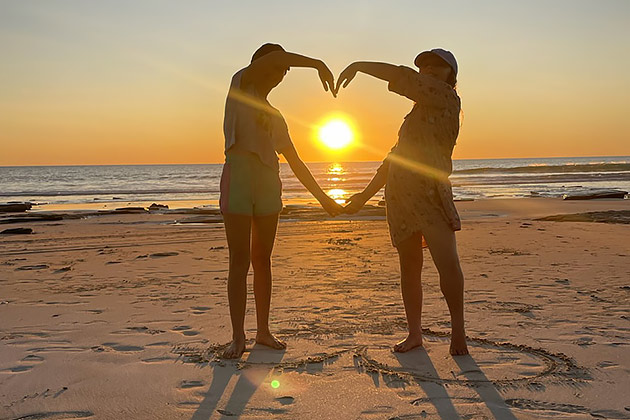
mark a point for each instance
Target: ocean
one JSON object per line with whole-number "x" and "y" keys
{"x": 108, "y": 187}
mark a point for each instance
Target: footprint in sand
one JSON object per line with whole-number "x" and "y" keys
{"x": 607, "y": 364}
{"x": 160, "y": 344}
{"x": 200, "y": 310}
{"x": 17, "y": 369}
{"x": 584, "y": 341}
{"x": 164, "y": 254}
{"x": 56, "y": 415}
{"x": 378, "y": 411}
{"x": 58, "y": 348}
{"x": 190, "y": 384}
{"x": 33, "y": 267}
{"x": 127, "y": 348}
{"x": 286, "y": 400}
{"x": 185, "y": 330}
{"x": 56, "y": 302}
{"x": 33, "y": 358}
{"x": 123, "y": 347}
{"x": 141, "y": 329}
{"x": 94, "y": 311}
{"x": 31, "y": 334}
{"x": 161, "y": 359}
{"x": 189, "y": 405}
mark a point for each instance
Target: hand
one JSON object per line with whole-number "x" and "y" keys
{"x": 355, "y": 203}
{"x": 327, "y": 78}
{"x": 331, "y": 206}
{"x": 346, "y": 76}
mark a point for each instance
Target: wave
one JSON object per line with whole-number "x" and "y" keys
{"x": 106, "y": 192}
{"x": 568, "y": 168}
{"x": 521, "y": 179}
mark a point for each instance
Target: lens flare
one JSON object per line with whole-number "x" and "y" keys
{"x": 275, "y": 384}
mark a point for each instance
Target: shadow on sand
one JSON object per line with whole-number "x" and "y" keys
{"x": 485, "y": 388}
{"x": 262, "y": 360}
{"x": 418, "y": 360}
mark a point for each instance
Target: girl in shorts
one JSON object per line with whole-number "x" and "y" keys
{"x": 255, "y": 132}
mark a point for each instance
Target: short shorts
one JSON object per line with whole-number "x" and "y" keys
{"x": 249, "y": 187}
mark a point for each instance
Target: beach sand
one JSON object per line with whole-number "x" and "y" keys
{"x": 122, "y": 316}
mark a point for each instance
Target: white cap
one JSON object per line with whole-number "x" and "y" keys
{"x": 443, "y": 54}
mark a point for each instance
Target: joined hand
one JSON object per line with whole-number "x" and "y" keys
{"x": 331, "y": 206}
{"x": 354, "y": 203}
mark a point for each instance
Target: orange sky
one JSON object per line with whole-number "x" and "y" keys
{"x": 88, "y": 83}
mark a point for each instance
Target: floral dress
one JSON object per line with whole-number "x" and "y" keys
{"x": 418, "y": 192}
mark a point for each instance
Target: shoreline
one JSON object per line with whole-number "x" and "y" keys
{"x": 307, "y": 200}
{"x": 468, "y": 209}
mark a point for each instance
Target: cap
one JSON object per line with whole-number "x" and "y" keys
{"x": 443, "y": 54}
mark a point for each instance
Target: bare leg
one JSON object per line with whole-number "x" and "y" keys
{"x": 263, "y": 238}
{"x": 443, "y": 247}
{"x": 237, "y": 230}
{"x": 410, "y": 255}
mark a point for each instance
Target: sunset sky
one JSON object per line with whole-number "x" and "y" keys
{"x": 141, "y": 82}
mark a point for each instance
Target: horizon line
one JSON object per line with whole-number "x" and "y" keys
{"x": 330, "y": 161}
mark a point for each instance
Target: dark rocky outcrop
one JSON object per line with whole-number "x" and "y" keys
{"x": 15, "y": 207}
{"x": 17, "y": 231}
{"x": 125, "y": 210}
{"x": 31, "y": 218}
{"x": 154, "y": 207}
{"x": 610, "y": 216}
{"x": 595, "y": 194}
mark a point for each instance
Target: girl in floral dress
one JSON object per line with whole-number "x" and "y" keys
{"x": 418, "y": 193}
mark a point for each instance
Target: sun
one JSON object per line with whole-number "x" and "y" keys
{"x": 336, "y": 134}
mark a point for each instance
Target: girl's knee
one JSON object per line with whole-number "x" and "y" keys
{"x": 452, "y": 274}
{"x": 448, "y": 265}
{"x": 239, "y": 260}
{"x": 261, "y": 261}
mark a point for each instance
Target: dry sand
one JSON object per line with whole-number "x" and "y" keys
{"x": 123, "y": 316}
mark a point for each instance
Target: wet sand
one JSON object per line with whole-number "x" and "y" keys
{"x": 124, "y": 316}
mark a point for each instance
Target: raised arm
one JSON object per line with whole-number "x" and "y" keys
{"x": 306, "y": 178}
{"x": 283, "y": 60}
{"x": 405, "y": 81}
{"x": 383, "y": 71}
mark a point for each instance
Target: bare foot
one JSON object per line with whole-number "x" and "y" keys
{"x": 458, "y": 344}
{"x": 235, "y": 350}
{"x": 411, "y": 342}
{"x": 267, "y": 339}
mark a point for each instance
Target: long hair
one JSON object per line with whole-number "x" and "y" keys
{"x": 452, "y": 79}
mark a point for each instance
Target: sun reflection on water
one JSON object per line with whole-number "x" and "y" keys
{"x": 335, "y": 172}
{"x": 336, "y": 169}
{"x": 338, "y": 194}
